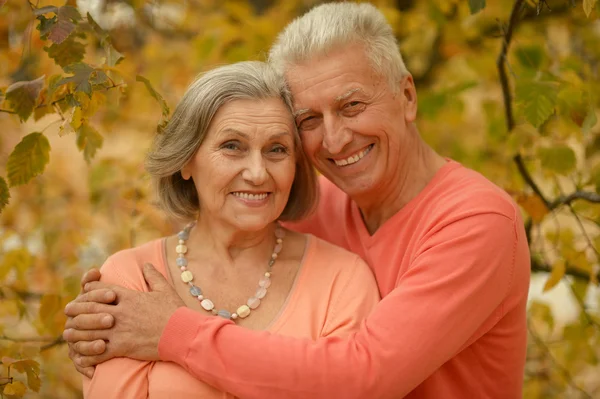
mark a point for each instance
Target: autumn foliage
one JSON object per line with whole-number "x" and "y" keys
{"x": 508, "y": 88}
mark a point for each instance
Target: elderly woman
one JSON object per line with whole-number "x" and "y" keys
{"x": 230, "y": 162}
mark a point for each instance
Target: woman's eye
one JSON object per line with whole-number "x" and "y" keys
{"x": 279, "y": 150}
{"x": 230, "y": 146}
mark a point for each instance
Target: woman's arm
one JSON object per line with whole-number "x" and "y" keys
{"x": 119, "y": 377}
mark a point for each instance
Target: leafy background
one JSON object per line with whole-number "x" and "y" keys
{"x": 509, "y": 88}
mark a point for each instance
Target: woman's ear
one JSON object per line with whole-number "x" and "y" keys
{"x": 186, "y": 171}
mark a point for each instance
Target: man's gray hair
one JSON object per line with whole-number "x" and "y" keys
{"x": 187, "y": 129}
{"x": 334, "y": 25}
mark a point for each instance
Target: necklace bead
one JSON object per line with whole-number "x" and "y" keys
{"x": 253, "y": 302}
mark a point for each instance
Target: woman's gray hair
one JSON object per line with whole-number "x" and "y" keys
{"x": 188, "y": 127}
{"x": 334, "y": 25}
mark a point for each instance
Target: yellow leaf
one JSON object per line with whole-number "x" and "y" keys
{"x": 588, "y": 6}
{"x": 558, "y": 272}
{"x": 17, "y": 389}
{"x": 533, "y": 205}
{"x": 32, "y": 369}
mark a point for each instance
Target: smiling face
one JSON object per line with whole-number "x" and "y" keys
{"x": 353, "y": 126}
{"x": 244, "y": 169}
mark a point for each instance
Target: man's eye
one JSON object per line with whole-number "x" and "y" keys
{"x": 353, "y": 104}
{"x": 310, "y": 122}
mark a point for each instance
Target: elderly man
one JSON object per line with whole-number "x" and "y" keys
{"x": 447, "y": 247}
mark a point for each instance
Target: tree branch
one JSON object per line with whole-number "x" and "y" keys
{"x": 529, "y": 180}
{"x": 539, "y": 267}
{"x": 28, "y": 339}
{"x": 8, "y": 111}
{"x": 559, "y": 367}
{"x": 582, "y": 195}
{"x": 57, "y": 341}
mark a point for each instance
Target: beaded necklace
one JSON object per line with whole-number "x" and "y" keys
{"x": 253, "y": 302}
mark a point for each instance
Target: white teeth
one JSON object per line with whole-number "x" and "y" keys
{"x": 353, "y": 159}
{"x": 251, "y": 197}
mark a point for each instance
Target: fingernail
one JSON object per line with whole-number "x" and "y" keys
{"x": 78, "y": 361}
{"x": 109, "y": 296}
{"x": 90, "y": 374}
{"x": 107, "y": 321}
{"x": 67, "y": 307}
{"x": 86, "y": 287}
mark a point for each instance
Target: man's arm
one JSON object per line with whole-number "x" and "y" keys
{"x": 453, "y": 290}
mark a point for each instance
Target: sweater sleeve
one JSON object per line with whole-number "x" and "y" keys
{"x": 452, "y": 292}
{"x": 119, "y": 377}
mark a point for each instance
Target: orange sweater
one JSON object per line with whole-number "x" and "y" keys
{"x": 333, "y": 292}
{"x": 453, "y": 270}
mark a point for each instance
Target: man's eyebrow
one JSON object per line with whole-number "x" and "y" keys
{"x": 347, "y": 94}
{"x": 300, "y": 112}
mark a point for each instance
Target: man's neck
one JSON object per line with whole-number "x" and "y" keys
{"x": 413, "y": 174}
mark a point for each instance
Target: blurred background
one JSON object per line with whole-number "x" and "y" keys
{"x": 508, "y": 88}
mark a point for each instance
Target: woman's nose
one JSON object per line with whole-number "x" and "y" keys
{"x": 255, "y": 171}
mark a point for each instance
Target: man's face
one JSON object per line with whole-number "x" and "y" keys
{"x": 352, "y": 124}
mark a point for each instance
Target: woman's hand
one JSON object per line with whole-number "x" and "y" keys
{"x": 129, "y": 325}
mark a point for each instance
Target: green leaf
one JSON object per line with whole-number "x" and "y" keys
{"x": 537, "y": 99}
{"x": 559, "y": 159}
{"x": 46, "y": 25}
{"x": 88, "y": 140}
{"x": 530, "y": 56}
{"x": 28, "y": 159}
{"x": 4, "y": 194}
{"x": 476, "y": 5}
{"x": 154, "y": 94}
{"x": 113, "y": 57}
{"x": 16, "y": 388}
{"x": 66, "y": 53}
{"x": 589, "y": 122}
{"x": 32, "y": 369}
{"x": 588, "y": 6}
{"x": 23, "y": 96}
{"x": 81, "y": 77}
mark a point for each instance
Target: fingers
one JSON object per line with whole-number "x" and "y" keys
{"x": 97, "y": 285}
{"x": 87, "y": 371}
{"x": 90, "y": 361}
{"x": 89, "y": 276}
{"x": 71, "y": 335}
{"x": 100, "y": 295}
{"x": 92, "y": 348}
{"x": 155, "y": 280}
{"x": 76, "y": 308}
{"x": 99, "y": 321}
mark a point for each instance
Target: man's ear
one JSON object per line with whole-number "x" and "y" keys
{"x": 409, "y": 96}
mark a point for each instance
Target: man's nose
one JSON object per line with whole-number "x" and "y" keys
{"x": 336, "y": 135}
{"x": 255, "y": 171}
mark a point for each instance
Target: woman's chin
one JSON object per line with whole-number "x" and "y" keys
{"x": 252, "y": 223}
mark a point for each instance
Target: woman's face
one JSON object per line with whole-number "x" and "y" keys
{"x": 244, "y": 169}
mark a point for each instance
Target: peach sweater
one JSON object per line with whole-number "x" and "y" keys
{"x": 333, "y": 292}
{"x": 453, "y": 270}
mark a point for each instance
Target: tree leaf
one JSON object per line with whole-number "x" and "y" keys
{"x": 16, "y": 388}
{"x": 50, "y": 306}
{"x": 81, "y": 77}
{"x": 589, "y": 122}
{"x": 538, "y": 100}
{"x": 559, "y": 159}
{"x": 32, "y": 369}
{"x": 476, "y": 5}
{"x": 65, "y": 25}
{"x": 68, "y": 52}
{"x": 101, "y": 33}
{"x": 88, "y": 140}
{"x": 23, "y": 96}
{"x": 154, "y": 94}
{"x": 588, "y": 6}
{"x": 4, "y": 194}
{"x": 113, "y": 57}
{"x": 534, "y": 206}
{"x": 28, "y": 159}
{"x": 530, "y": 56}
{"x": 19, "y": 260}
{"x": 558, "y": 272}
{"x": 46, "y": 25}
{"x": 45, "y": 10}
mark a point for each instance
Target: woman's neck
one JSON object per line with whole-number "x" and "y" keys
{"x": 227, "y": 244}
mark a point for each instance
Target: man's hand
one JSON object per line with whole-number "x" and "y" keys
{"x": 139, "y": 320}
